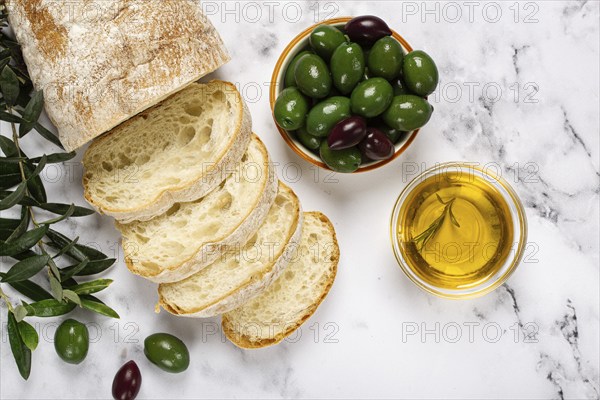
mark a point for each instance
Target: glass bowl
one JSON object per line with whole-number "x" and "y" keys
{"x": 515, "y": 211}
{"x": 299, "y": 43}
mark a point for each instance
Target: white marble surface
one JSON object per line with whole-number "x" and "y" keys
{"x": 535, "y": 337}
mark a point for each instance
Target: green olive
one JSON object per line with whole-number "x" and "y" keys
{"x": 290, "y": 79}
{"x": 420, "y": 73}
{"x": 324, "y": 39}
{"x": 72, "y": 341}
{"x": 324, "y": 115}
{"x": 371, "y": 97}
{"x": 393, "y": 134}
{"x": 309, "y": 141}
{"x": 347, "y": 67}
{"x": 347, "y": 160}
{"x": 407, "y": 112}
{"x": 400, "y": 87}
{"x": 290, "y": 109}
{"x": 312, "y": 76}
{"x": 167, "y": 352}
{"x": 385, "y": 58}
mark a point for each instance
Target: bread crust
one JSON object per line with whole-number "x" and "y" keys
{"x": 207, "y": 179}
{"x": 100, "y": 63}
{"x": 244, "y": 342}
{"x": 207, "y": 254}
{"x": 254, "y": 286}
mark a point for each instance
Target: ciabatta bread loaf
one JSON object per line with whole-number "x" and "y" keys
{"x": 101, "y": 62}
{"x": 285, "y": 305}
{"x": 177, "y": 151}
{"x": 191, "y": 236}
{"x": 243, "y": 273}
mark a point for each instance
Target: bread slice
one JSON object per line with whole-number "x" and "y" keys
{"x": 177, "y": 151}
{"x": 191, "y": 236}
{"x": 278, "y": 311}
{"x": 100, "y": 63}
{"x": 241, "y": 274}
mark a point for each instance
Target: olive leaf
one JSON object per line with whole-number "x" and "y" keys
{"x": 49, "y": 136}
{"x": 10, "y": 175}
{"x": 31, "y": 113}
{"x": 14, "y": 197}
{"x": 23, "y": 225}
{"x": 55, "y": 287}
{"x": 55, "y": 158}
{"x": 34, "y": 182}
{"x": 8, "y": 117}
{"x": 92, "y": 304}
{"x": 21, "y": 352}
{"x": 24, "y": 242}
{"x": 89, "y": 268}
{"x": 20, "y": 312}
{"x": 9, "y": 85}
{"x": 49, "y": 308}
{"x": 28, "y": 335}
{"x": 72, "y": 296}
{"x": 58, "y": 208}
{"x": 69, "y": 212}
{"x": 79, "y": 252}
{"x": 8, "y": 147}
{"x": 25, "y": 269}
{"x": 66, "y": 248}
{"x": 30, "y": 289}
{"x": 7, "y": 227}
{"x": 69, "y": 272}
{"x": 91, "y": 287}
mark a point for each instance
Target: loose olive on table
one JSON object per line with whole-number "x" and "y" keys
{"x": 127, "y": 382}
{"x": 72, "y": 341}
{"x": 353, "y": 93}
{"x": 167, "y": 352}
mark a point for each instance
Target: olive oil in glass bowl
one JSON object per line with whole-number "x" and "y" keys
{"x": 458, "y": 231}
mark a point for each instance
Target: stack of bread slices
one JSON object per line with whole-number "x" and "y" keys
{"x": 192, "y": 188}
{"x": 202, "y": 214}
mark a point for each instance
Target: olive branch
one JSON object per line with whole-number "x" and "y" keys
{"x": 31, "y": 242}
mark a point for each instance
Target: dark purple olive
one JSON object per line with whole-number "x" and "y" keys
{"x": 367, "y": 29}
{"x": 127, "y": 382}
{"x": 376, "y": 145}
{"x": 347, "y": 133}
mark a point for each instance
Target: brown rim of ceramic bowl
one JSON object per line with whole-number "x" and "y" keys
{"x": 273, "y": 96}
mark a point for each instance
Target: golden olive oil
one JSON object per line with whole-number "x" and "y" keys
{"x": 456, "y": 230}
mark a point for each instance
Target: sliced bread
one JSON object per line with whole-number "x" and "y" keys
{"x": 241, "y": 274}
{"x": 192, "y": 235}
{"x": 279, "y": 310}
{"x": 177, "y": 151}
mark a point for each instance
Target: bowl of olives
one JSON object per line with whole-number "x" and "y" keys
{"x": 350, "y": 94}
